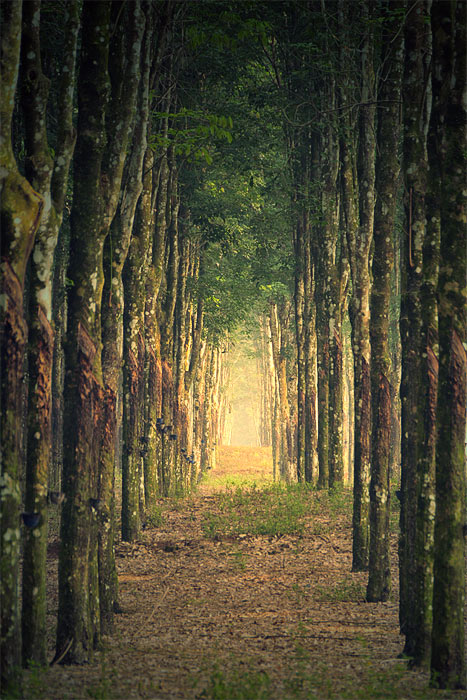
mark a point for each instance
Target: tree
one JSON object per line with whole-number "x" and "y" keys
{"x": 419, "y": 332}
{"x": 49, "y": 178}
{"x": 358, "y": 184}
{"x": 21, "y": 212}
{"x": 387, "y": 173}
{"x": 84, "y": 391}
{"x": 447, "y": 161}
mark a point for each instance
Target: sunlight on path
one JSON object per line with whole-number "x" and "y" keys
{"x": 239, "y": 466}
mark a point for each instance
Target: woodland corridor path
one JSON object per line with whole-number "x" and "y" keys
{"x": 240, "y": 616}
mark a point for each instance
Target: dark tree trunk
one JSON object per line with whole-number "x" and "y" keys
{"x": 447, "y": 161}
{"x": 84, "y": 393}
{"x": 387, "y": 175}
{"x": 420, "y": 366}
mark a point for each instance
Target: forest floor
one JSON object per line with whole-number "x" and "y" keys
{"x": 243, "y": 591}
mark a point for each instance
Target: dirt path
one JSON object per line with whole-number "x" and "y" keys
{"x": 216, "y": 613}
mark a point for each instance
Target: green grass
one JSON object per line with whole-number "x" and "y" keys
{"x": 232, "y": 481}
{"x": 346, "y": 591}
{"x": 236, "y": 685}
{"x": 155, "y": 517}
{"x": 273, "y": 511}
{"x": 306, "y": 680}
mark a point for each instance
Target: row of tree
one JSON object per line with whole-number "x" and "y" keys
{"x": 354, "y": 93}
{"x": 102, "y": 324}
{"x": 171, "y": 170}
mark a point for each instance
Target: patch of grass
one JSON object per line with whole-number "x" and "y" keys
{"x": 337, "y": 502}
{"x": 273, "y": 511}
{"x": 102, "y": 689}
{"x": 236, "y": 685}
{"x": 346, "y": 591}
{"x": 232, "y": 481}
{"x": 34, "y": 683}
{"x": 155, "y": 517}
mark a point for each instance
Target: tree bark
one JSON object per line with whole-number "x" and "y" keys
{"x": 21, "y": 211}
{"x": 420, "y": 366}
{"x": 358, "y": 195}
{"x": 130, "y": 45}
{"x": 447, "y": 162}
{"x": 387, "y": 174}
{"x": 50, "y": 179}
{"x": 84, "y": 391}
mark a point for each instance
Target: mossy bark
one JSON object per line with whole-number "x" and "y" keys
{"x": 387, "y": 174}
{"x": 21, "y": 210}
{"x": 447, "y": 161}
{"x": 84, "y": 393}
{"x": 420, "y": 361}
{"x": 127, "y": 126}
{"x": 50, "y": 178}
{"x": 358, "y": 195}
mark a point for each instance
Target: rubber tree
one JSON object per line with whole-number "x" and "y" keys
{"x": 386, "y": 184}
{"x": 358, "y": 183}
{"x": 419, "y": 333}
{"x": 130, "y": 70}
{"x": 279, "y": 319}
{"x": 447, "y": 162}
{"x": 84, "y": 392}
{"x": 21, "y": 211}
{"x": 49, "y": 177}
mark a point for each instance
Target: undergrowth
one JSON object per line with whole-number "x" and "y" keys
{"x": 307, "y": 681}
{"x": 273, "y": 511}
{"x": 346, "y": 591}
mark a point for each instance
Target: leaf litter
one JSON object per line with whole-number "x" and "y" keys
{"x": 212, "y": 608}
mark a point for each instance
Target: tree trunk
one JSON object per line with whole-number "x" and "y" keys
{"x": 50, "y": 179}
{"x": 387, "y": 174}
{"x": 358, "y": 194}
{"x": 420, "y": 368}
{"x": 21, "y": 210}
{"x": 447, "y": 163}
{"x": 84, "y": 394}
{"x": 129, "y": 185}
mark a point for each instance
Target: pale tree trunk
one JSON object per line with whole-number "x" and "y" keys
{"x": 50, "y": 180}
{"x": 199, "y": 385}
{"x": 205, "y": 431}
{"x": 299, "y": 299}
{"x": 387, "y": 176}
{"x": 447, "y": 163}
{"x": 336, "y": 375}
{"x": 150, "y": 438}
{"x": 153, "y": 221}
{"x": 279, "y": 319}
{"x": 21, "y": 209}
{"x": 311, "y": 433}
